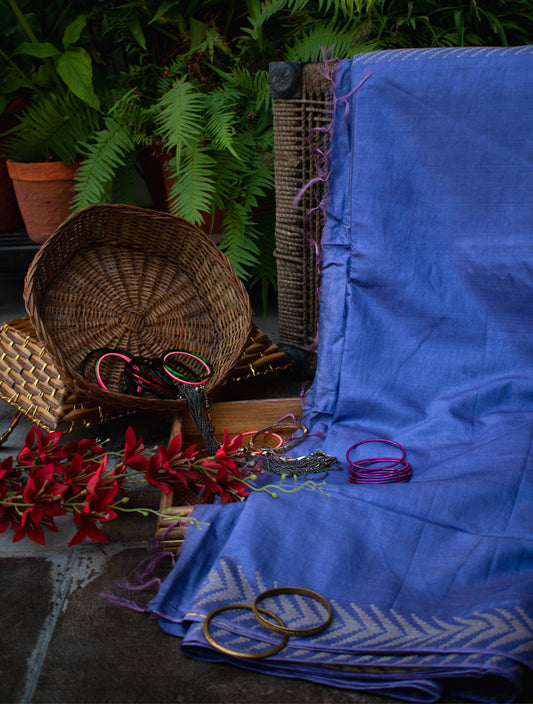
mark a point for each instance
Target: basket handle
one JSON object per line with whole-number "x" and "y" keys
{"x": 12, "y": 426}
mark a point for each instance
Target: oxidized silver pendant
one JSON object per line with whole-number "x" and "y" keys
{"x": 312, "y": 463}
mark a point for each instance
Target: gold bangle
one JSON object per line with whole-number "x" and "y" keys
{"x": 236, "y": 653}
{"x": 283, "y": 628}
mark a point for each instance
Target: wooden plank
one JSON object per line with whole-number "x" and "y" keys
{"x": 240, "y": 416}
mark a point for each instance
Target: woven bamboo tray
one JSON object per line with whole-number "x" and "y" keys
{"x": 298, "y": 230}
{"x": 116, "y": 276}
{"x": 260, "y": 357}
{"x": 32, "y": 384}
{"x": 234, "y": 416}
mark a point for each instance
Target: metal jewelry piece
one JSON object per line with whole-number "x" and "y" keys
{"x": 250, "y": 656}
{"x": 285, "y": 630}
{"x": 312, "y": 463}
{"x": 278, "y": 428}
{"x": 199, "y": 410}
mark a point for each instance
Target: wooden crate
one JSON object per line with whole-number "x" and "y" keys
{"x": 234, "y": 416}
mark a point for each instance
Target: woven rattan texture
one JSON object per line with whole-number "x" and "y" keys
{"x": 260, "y": 357}
{"x": 298, "y": 230}
{"x": 139, "y": 280}
{"x": 31, "y": 383}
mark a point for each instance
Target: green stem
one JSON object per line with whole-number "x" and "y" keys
{"x": 272, "y": 489}
{"x": 23, "y": 21}
{"x": 161, "y": 514}
{"x": 20, "y": 74}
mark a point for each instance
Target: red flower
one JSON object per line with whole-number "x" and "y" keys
{"x": 5, "y": 467}
{"x": 30, "y": 528}
{"x": 133, "y": 450}
{"x": 43, "y": 495}
{"x": 74, "y": 474}
{"x": 223, "y": 462}
{"x": 87, "y": 528}
{"x": 48, "y": 480}
{"x": 174, "y": 459}
{"x": 229, "y": 451}
{"x": 86, "y": 448}
{"x": 155, "y": 475}
{"x": 40, "y": 444}
{"x": 171, "y": 464}
{"x": 101, "y": 491}
{"x": 9, "y": 517}
{"x": 227, "y": 479}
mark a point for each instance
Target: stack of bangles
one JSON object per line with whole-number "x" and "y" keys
{"x": 271, "y": 621}
{"x": 158, "y": 376}
{"x": 378, "y": 470}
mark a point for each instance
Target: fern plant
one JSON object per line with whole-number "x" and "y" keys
{"x": 195, "y": 85}
{"x": 53, "y": 126}
{"x": 220, "y": 158}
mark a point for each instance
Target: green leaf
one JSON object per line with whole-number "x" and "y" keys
{"x": 137, "y": 31}
{"x": 221, "y": 120}
{"x": 40, "y": 50}
{"x": 52, "y": 127}
{"x": 45, "y": 76}
{"x": 191, "y": 194}
{"x": 162, "y": 9}
{"x": 75, "y": 68}
{"x": 107, "y": 152}
{"x": 179, "y": 116}
{"x": 238, "y": 239}
{"x": 197, "y": 30}
{"x": 73, "y": 31}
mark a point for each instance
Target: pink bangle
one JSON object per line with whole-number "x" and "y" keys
{"x": 121, "y": 355}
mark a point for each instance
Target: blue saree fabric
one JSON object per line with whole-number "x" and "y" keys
{"x": 425, "y": 338}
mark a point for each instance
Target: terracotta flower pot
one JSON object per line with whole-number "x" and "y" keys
{"x": 44, "y": 192}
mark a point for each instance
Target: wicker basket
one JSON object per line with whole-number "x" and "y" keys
{"x": 143, "y": 281}
{"x": 299, "y": 228}
{"x": 32, "y": 384}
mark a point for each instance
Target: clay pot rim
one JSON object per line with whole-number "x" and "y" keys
{"x": 40, "y": 171}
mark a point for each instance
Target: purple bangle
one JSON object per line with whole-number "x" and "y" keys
{"x": 373, "y": 470}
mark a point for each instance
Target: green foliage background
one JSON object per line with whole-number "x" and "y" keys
{"x": 190, "y": 78}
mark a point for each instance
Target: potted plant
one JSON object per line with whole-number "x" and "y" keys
{"x": 63, "y": 110}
